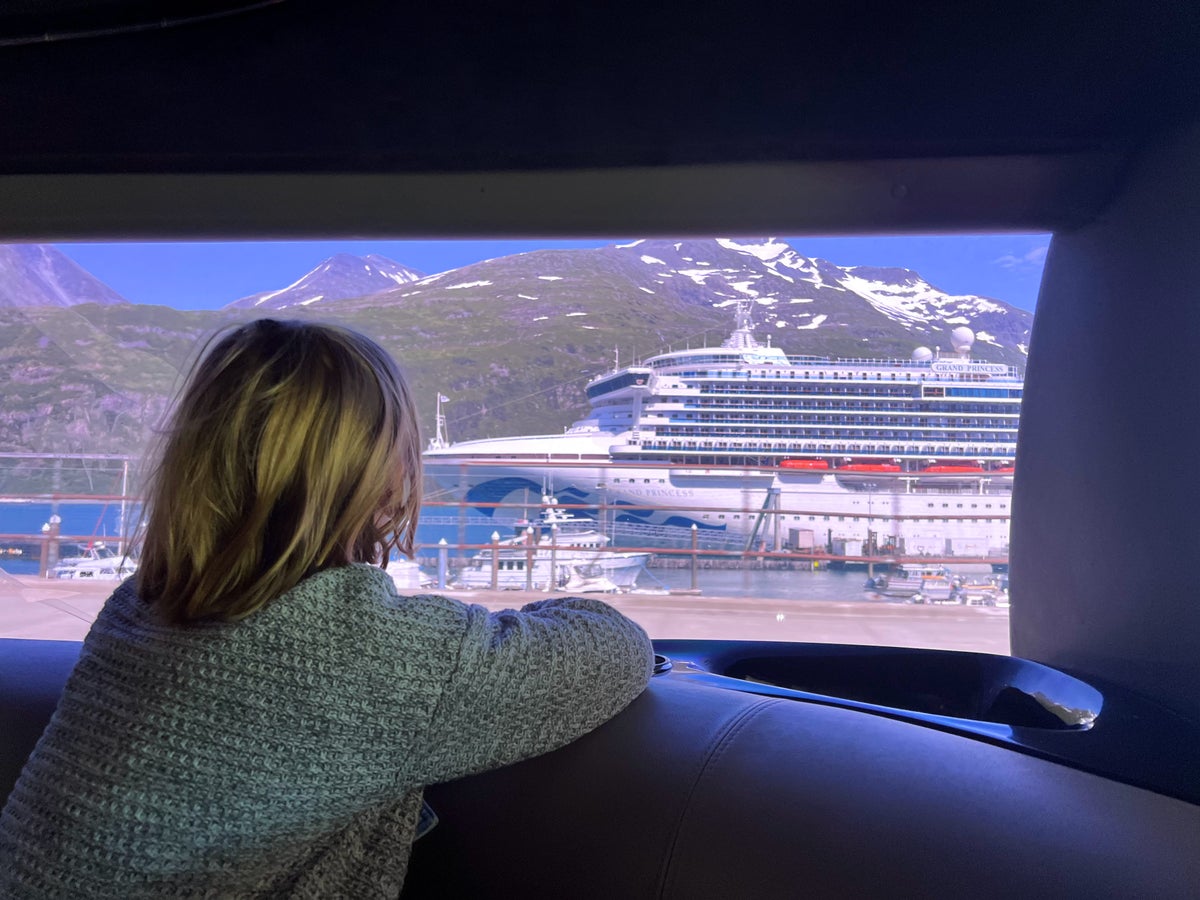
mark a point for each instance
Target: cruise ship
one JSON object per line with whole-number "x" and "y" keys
{"x": 768, "y": 451}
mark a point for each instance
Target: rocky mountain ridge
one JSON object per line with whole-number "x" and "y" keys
{"x": 42, "y": 275}
{"x": 513, "y": 340}
{"x": 340, "y": 276}
{"x": 790, "y": 292}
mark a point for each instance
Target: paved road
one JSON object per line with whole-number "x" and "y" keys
{"x": 64, "y": 610}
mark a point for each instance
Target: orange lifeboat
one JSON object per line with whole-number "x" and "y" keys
{"x": 870, "y": 467}
{"x": 952, "y": 470}
{"x": 805, "y": 464}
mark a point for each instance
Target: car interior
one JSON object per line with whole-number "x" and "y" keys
{"x": 747, "y": 769}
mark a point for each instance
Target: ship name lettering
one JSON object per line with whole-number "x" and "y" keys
{"x": 945, "y": 366}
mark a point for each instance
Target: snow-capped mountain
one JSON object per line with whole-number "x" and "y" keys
{"x": 337, "y": 278}
{"x": 41, "y": 275}
{"x": 803, "y": 304}
{"x": 512, "y": 340}
{"x": 809, "y": 294}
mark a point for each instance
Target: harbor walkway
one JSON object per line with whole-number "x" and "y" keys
{"x": 63, "y": 610}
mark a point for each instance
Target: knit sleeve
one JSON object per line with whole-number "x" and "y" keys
{"x": 530, "y": 681}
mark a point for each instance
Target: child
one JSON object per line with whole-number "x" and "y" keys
{"x": 256, "y": 711}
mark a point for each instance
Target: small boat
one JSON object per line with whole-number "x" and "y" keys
{"x": 929, "y": 583}
{"x": 559, "y": 550}
{"x": 407, "y": 575}
{"x": 887, "y": 468}
{"x": 982, "y": 593}
{"x": 810, "y": 465}
{"x": 582, "y": 582}
{"x": 99, "y": 563}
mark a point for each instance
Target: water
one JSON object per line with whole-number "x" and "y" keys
{"x": 774, "y": 584}
{"x": 103, "y": 522}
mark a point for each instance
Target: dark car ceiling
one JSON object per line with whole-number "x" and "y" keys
{"x": 1053, "y": 96}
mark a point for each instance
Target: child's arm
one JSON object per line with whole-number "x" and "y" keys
{"x": 530, "y": 681}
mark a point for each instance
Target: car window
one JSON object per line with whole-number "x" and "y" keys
{"x": 754, "y": 438}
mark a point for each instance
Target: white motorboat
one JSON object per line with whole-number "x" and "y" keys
{"x": 560, "y": 551}
{"x": 929, "y": 583}
{"x": 407, "y": 575}
{"x": 99, "y": 563}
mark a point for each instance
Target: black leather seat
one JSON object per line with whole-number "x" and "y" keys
{"x": 698, "y": 792}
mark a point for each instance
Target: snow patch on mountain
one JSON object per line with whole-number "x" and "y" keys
{"x": 765, "y": 250}
{"x": 339, "y": 277}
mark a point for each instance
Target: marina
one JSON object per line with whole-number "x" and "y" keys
{"x": 713, "y": 482}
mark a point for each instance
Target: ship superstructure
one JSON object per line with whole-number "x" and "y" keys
{"x": 917, "y": 453}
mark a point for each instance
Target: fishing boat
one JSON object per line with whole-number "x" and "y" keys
{"x": 98, "y": 563}
{"x": 561, "y": 550}
{"x": 915, "y": 582}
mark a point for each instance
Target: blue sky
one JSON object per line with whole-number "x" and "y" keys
{"x": 1007, "y": 267}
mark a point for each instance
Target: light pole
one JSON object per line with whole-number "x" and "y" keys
{"x": 529, "y": 558}
{"x": 52, "y": 544}
{"x": 552, "y": 581}
{"x": 695, "y": 558}
{"x": 443, "y": 563}
{"x": 495, "y": 560}
{"x": 43, "y": 564}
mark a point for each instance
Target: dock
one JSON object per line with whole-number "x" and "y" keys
{"x": 36, "y": 608}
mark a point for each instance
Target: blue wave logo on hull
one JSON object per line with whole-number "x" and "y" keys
{"x": 670, "y": 522}
{"x": 629, "y": 516}
{"x": 495, "y": 490}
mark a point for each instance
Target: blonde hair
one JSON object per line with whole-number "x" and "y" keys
{"x": 294, "y": 448}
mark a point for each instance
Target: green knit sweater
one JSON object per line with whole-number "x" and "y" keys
{"x": 284, "y": 755}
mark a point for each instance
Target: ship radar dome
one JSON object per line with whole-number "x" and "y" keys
{"x": 922, "y": 354}
{"x": 962, "y": 338}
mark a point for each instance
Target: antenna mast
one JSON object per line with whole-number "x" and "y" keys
{"x": 440, "y": 439}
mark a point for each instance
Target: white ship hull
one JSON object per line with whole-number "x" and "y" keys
{"x": 961, "y": 518}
